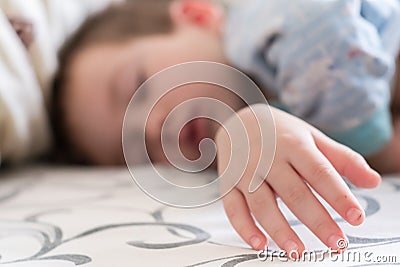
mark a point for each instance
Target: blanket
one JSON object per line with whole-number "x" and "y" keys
{"x": 26, "y": 68}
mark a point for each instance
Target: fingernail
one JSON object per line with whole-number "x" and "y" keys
{"x": 291, "y": 249}
{"x": 255, "y": 242}
{"x": 337, "y": 243}
{"x": 354, "y": 215}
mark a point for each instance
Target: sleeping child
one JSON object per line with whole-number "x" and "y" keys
{"x": 327, "y": 64}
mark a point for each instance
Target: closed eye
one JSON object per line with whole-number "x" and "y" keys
{"x": 143, "y": 92}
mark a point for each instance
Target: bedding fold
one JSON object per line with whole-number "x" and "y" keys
{"x": 26, "y": 72}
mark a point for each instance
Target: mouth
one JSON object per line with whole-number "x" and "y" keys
{"x": 195, "y": 131}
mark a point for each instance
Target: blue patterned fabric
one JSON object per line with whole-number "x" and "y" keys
{"x": 330, "y": 62}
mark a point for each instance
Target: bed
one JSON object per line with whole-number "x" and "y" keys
{"x": 57, "y": 216}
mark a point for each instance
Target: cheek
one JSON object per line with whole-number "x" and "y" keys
{"x": 105, "y": 141}
{"x": 99, "y": 128}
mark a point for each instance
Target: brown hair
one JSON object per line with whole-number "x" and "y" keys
{"x": 395, "y": 105}
{"x": 118, "y": 23}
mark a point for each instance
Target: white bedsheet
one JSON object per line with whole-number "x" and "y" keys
{"x": 99, "y": 217}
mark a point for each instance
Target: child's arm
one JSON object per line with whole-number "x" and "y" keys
{"x": 395, "y": 105}
{"x": 304, "y": 158}
{"x": 387, "y": 160}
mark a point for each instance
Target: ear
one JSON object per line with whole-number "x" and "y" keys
{"x": 204, "y": 14}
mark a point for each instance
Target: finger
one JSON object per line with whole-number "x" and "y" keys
{"x": 265, "y": 209}
{"x": 298, "y": 197}
{"x": 347, "y": 162}
{"x": 239, "y": 215}
{"x": 312, "y": 165}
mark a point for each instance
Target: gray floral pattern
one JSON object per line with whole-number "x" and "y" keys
{"x": 98, "y": 217}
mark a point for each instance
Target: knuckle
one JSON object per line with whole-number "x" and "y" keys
{"x": 257, "y": 202}
{"x": 295, "y": 196}
{"x": 242, "y": 230}
{"x": 291, "y": 140}
{"x": 277, "y": 234}
{"x": 351, "y": 155}
{"x": 342, "y": 200}
{"x": 321, "y": 171}
{"x": 321, "y": 226}
{"x": 352, "y": 158}
{"x": 230, "y": 211}
{"x": 350, "y": 152}
{"x": 355, "y": 157}
{"x": 240, "y": 225}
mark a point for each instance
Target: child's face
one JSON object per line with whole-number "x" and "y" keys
{"x": 103, "y": 78}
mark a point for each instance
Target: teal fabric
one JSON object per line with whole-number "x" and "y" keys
{"x": 369, "y": 137}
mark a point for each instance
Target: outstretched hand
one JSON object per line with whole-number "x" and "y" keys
{"x": 305, "y": 158}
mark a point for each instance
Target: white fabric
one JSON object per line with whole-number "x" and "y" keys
{"x": 99, "y": 217}
{"x": 25, "y": 75}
